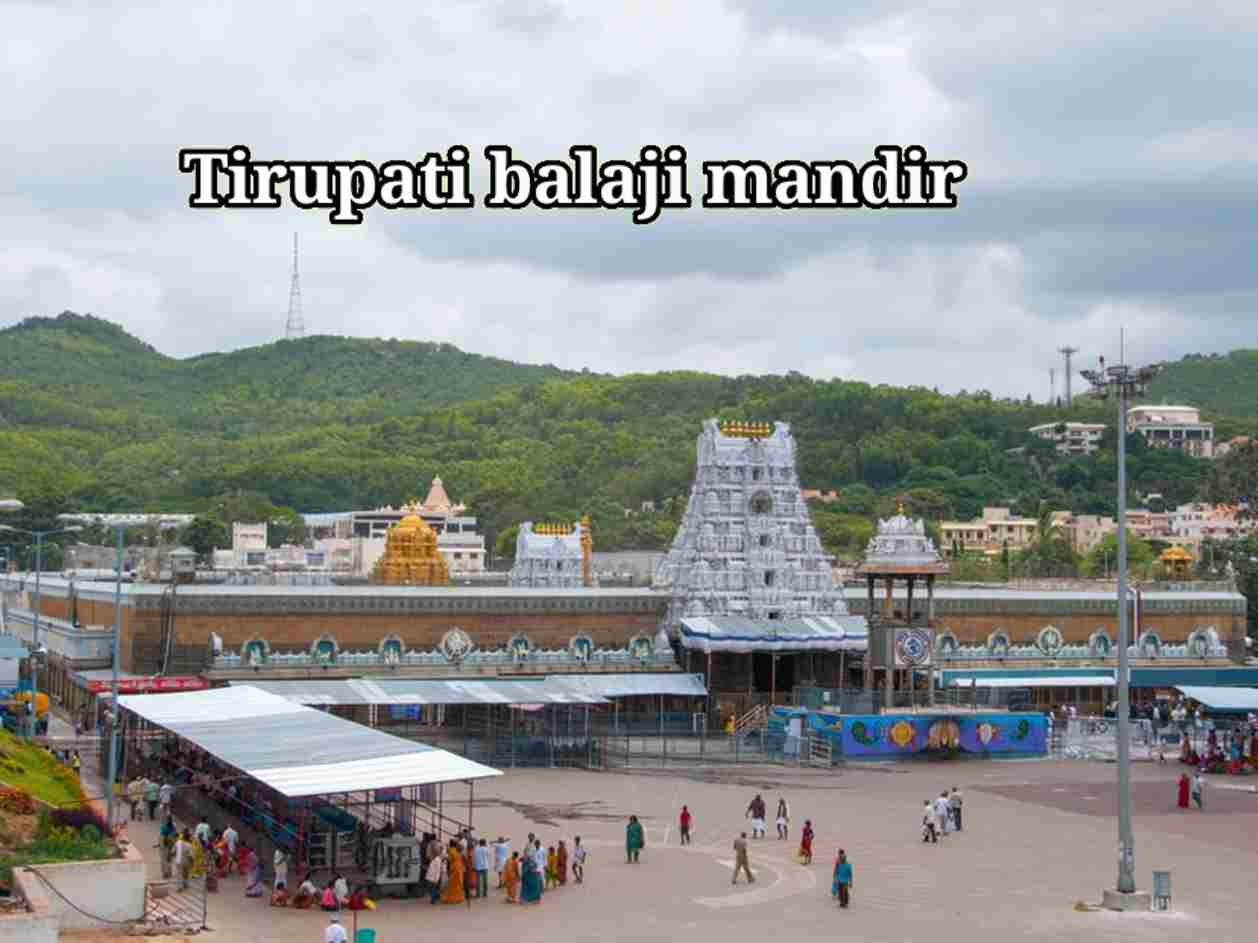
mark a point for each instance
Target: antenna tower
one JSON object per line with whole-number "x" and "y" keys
{"x": 1068, "y": 352}
{"x": 295, "y": 326}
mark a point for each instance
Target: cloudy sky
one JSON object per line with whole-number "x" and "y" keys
{"x": 1111, "y": 155}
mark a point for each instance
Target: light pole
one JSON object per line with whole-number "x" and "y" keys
{"x": 1122, "y": 381}
{"x": 115, "y": 713}
{"x": 39, "y": 536}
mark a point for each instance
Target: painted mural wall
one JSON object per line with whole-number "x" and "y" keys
{"x": 892, "y": 735}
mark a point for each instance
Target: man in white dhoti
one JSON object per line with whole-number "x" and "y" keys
{"x": 941, "y": 813}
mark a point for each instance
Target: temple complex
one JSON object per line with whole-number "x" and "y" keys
{"x": 410, "y": 556}
{"x": 554, "y": 556}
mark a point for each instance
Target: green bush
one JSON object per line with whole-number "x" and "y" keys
{"x": 55, "y": 843}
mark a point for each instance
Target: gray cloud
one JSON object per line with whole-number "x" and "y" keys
{"x": 1111, "y": 152}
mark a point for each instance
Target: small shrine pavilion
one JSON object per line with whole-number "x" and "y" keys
{"x": 900, "y": 642}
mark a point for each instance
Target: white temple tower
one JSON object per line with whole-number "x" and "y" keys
{"x": 746, "y": 551}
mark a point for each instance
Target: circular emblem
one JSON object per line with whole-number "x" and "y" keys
{"x": 456, "y": 645}
{"x": 912, "y": 646}
{"x": 1049, "y": 640}
{"x": 581, "y": 647}
{"x": 901, "y": 733}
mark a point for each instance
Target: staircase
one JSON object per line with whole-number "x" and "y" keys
{"x": 756, "y": 719}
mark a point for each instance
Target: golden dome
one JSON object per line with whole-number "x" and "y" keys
{"x": 411, "y": 557}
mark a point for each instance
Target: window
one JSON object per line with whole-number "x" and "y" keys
{"x": 764, "y": 540}
{"x": 768, "y": 577}
{"x": 756, "y": 474}
{"x": 761, "y": 503}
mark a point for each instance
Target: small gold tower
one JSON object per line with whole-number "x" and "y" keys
{"x": 411, "y": 557}
{"x": 587, "y": 551}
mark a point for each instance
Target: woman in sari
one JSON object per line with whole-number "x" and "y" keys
{"x": 455, "y": 892}
{"x": 511, "y": 877}
{"x": 1182, "y": 797}
{"x": 196, "y": 868}
{"x": 561, "y": 859}
{"x": 531, "y": 883}
{"x": 253, "y": 872}
{"x": 634, "y": 839}
{"x": 805, "y": 843}
{"x": 469, "y": 868}
{"x": 222, "y": 860}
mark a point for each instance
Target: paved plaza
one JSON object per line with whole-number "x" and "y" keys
{"x": 1038, "y": 838}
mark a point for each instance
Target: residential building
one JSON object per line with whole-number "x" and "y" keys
{"x": 1071, "y": 438}
{"x": 1173, "y": 427}
{"x": 989, "y": 534}
{"x": 1198, "y": 521}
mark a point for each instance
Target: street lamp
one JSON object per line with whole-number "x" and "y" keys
{"x": 1122, "y": 382}
{"x": 114, "y": 709}
{"x": 39, "y": 536}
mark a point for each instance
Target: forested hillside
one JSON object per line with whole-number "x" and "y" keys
{"x": 91, "y": 418}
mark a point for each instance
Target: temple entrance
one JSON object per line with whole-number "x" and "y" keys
{"x": 762, "y": 673}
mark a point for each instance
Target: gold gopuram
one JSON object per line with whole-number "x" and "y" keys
{"x": 411, "y": 557}
{"x": 1178, "y": 563}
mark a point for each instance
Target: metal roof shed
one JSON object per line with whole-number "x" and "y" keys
{"x": 1222, "y": 700}
{"x": 400, "y": 691}
{"x": 296, "y": 750}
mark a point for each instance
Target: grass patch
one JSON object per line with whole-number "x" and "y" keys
{"x": 54, "y": 843}
{"x": 37, "y": 772}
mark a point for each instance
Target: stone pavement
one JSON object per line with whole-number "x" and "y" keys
{"x": 1037, "y": 839}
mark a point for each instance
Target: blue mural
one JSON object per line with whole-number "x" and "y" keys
{"x": 891, "y": 735}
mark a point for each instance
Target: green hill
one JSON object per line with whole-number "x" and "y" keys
{"x": 1223, "y": 386}
{"x": 92, "y": 418}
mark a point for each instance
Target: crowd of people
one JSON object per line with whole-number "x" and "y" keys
{"x": 941, "y": 816}
{"x": 460, "y": 873}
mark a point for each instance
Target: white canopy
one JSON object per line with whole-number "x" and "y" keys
{"x": 296, "y": 750}
{"x": 1222, "y": 698}
{"x": 797, "y": 634}
{"x": 1007, "y": 681}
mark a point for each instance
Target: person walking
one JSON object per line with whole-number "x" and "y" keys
{"x": 805, "y": 843}
{"x": 842, "y": 879}
{"x": 755, "y": 812}
{"x": 481, "y": 860}
{"x": 741, "y": 862}
{"x": 683, "y": 823}
{"x": 335, "y": 933}
{"x": 232, "y": 839}
{"x": 954, "y": 802}
{"x": 150, "y": 798}
{"x": 280, "y": 860}
{"x": 930, "y": 831}
{"x": 76, "y": 764}
{"x": 578, "y": 860}
{"x": 942, "y": 810}
{"x": 783, "y": 819}
{"x": 433, "y": 876}
{"x": 1185, "y": 787}
{"x": 1198, "y": 790}
{"x": 135, "y": 796}
{"x": 166, "y": 795}
{"x": 502, "y": 854}
{"x": 634, "y": 839}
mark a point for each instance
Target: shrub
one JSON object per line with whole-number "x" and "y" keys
{"x": 16, "y": 801}
{"x": 77, "y": 819}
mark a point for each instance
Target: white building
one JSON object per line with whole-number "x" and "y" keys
{"x": 1071, "y": 438}
{"x": 1173, "y": 427}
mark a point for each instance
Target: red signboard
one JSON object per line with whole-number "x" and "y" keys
{"x": 149, "y": 685}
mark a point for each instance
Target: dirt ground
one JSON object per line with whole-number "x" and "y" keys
{"x": 1038, "y": 839}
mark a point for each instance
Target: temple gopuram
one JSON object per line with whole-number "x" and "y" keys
{"x": 747, "y": 578}
{"x": 411, "y": 557}
{"x": 554, "y": 556}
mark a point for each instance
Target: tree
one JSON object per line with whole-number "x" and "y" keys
{"x": 205, "y": 534}
{"x": 1102, "y": 560}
